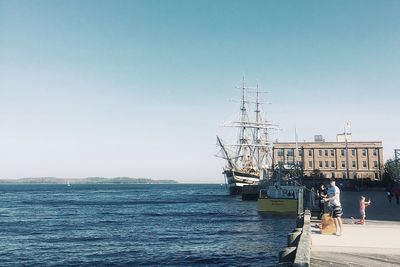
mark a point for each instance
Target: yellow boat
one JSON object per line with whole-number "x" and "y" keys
{"x": 279, "y": 199}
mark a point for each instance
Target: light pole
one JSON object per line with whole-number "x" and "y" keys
{"x": 347, "y": 149}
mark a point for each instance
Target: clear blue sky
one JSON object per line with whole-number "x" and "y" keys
{"x": 140, "y": 88}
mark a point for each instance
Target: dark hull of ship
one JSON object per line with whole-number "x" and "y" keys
{"x": 237, "y": 179}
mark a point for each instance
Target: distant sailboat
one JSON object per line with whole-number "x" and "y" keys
{"x": 68, "y": 184}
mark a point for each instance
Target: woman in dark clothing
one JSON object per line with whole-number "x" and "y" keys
{"x": 321, "y": 194}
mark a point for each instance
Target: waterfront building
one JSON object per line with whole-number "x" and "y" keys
{"x": 340, "y": 159}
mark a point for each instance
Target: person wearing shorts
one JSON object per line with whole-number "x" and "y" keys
{"x": 336, "y": 207}
{"x": 363, "y": 205}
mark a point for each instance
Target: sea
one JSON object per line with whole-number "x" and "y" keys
{"x": 135, "y": 225}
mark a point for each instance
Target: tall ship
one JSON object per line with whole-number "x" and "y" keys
{"x": 248, "y": 160}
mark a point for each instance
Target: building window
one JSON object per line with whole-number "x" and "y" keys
{"x": 320, "y": 152}
{"x": 353, "y": 164}
{"x": 344, "y": 175}
{"x": 342, "y": 152}
{"x": 333, "y": 175}
{"x": 375, "y": 152}
{"x": 310, "y": 152}
{"x": 326, "y": 152}
{"x": 290, "y": 152}
{"x": 332, "y": 152}
{"x": 326, "y": 164}
{"x": 281, "y": 152}
{"x": 375, "y": 164}
{"x": 364, "y": 164}
{"x": 320, "y": 164}
{"x": 353, "y": 152}
{"x": 343, "y": 164}
{"x": 301, "y": 152}
{"x": 310, "y": 164}
{"x": 364, "y": 152}
{"x": 332, "y": 164}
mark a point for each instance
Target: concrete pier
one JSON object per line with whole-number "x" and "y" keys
{"x": 377, "y": 243}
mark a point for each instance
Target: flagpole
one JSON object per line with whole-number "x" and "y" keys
{"x": 347, "y": 150}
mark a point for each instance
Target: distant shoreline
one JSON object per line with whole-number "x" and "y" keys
{"x": 88, "y": 180}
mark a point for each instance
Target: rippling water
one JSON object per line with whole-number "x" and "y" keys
{"x": 135, "y": 225}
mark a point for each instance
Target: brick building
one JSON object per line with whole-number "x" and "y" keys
{"x": 365, "y": 159}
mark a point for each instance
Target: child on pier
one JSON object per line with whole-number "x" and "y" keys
{"x": 363, "y": 205}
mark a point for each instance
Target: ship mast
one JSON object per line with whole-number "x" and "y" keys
{"x": 257, "y": 137}
{"x": 226, "y": 154}
{"x": 262, "y": 149}
{"x": 253, "y": 148}
{"x": 243, "y": 149}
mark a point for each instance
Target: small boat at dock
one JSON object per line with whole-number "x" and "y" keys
{"x": 280, "y": 198}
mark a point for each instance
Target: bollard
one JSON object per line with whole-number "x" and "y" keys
{"x": 287, "y": 255}
{"x": 293, "y": 239}
{"x": 299, "y": 221}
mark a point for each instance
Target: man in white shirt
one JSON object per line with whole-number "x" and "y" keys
{"x": 336, "y": 206}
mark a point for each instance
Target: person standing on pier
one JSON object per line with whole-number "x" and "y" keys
{"x": 321, "y": 195}
{"x": 396, "y": 192}
{"x": 389, "y": 188}
{"x": 363, "y": 205}
{"x": 335, "y": 205}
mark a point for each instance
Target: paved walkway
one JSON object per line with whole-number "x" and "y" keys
{"x": 377, "y": 243}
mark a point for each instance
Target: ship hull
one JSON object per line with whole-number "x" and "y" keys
{"x": 236, "y": 180}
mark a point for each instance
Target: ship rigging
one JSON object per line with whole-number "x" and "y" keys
{"x": 248, "y": 160}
